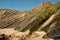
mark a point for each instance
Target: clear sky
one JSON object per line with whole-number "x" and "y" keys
{"x": 21, "y": 4}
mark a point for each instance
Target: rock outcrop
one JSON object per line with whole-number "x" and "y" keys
{"x": 12, "y": 34}
{"x": 44, "y": 17}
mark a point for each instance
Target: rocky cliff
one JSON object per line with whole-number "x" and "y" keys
{"x": 44, "y": 17}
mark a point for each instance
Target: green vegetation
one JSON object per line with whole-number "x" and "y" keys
{"x": 48, "y": 12}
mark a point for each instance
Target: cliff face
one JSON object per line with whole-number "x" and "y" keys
{"x": 11, "y": 18}
{"x": 45, "y": 17}
{"x": 32, "y": 19}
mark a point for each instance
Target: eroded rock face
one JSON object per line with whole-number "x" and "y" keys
{"x": 12, "y": 34}
{"x": 11, "y": 18}
{"x": 37, "y": 35}
{"x": 53, "y": 34}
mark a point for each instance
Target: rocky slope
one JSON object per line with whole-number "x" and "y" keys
{"x": 44, "y": 17}
{"x": 13, "y": 18}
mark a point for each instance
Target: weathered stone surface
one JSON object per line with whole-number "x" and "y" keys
{"x": 38, "y": 36}
{"x": 53, "y": 34}
{"x": 12, "y": 34}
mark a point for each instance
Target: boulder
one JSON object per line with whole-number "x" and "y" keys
{"x": 12, "y": 34}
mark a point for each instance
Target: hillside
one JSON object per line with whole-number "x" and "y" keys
{"x": 44, "y": 17}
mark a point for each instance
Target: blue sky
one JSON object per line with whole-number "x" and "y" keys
{"x": 21, "y": 4}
